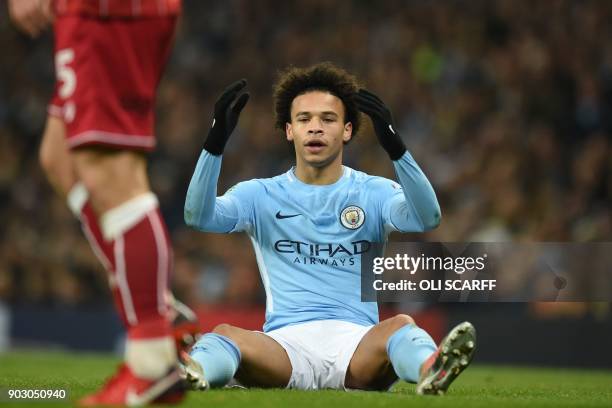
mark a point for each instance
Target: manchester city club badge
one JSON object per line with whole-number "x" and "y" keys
{"x": 352, "y": 217}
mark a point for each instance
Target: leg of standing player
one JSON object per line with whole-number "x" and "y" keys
{"x": 57, "y": 162}
{"x": 126, "y": 229}
{"x": 118, "y": 187}
{"x": 59, "y": 165}
{"x": 106, "y": 137}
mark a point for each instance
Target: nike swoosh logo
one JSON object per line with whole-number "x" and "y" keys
{"x": 133, "y": 398}
{"x": 280, "y": 216}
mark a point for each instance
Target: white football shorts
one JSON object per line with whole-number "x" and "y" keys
{"x": 319, "y": 351}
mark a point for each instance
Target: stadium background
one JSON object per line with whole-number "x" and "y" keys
{"x": 507, "y": 106}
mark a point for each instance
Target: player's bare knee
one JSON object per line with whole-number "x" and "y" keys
{"x": 224, "y": 329}
{"x": 91, "y": 180}
{"x": 400, "y": 320}
{"x": 111, "y": 177}
{"x": 388, "y": 328}
{"x": 233, "y": 333}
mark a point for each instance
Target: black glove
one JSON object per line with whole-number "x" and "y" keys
{"x": 227, "y": 110}
{"x": 382, "y": 120}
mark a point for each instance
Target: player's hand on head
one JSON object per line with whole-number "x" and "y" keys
{"x": 381, "y": 117}
{"x": 31, "y": 16}
{"x": 374, "y": 107}
{"x": 227, "y": 111}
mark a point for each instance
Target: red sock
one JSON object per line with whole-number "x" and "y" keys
{"x": 104, "y": 252}
{"x": 102, "y": 249}
{"x": 137, "y": 257}
{"x": 132, "y": 243}
{"x": 142, "y": 262}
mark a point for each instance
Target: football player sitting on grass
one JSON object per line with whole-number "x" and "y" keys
{"x": 309, "y": 227}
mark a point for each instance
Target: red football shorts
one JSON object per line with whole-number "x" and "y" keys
{"x": 107, "y": 73}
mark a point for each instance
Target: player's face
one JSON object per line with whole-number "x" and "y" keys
{"x": 317, "y": 128}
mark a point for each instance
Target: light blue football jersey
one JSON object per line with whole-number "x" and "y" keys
{"x": 308, "y": 239}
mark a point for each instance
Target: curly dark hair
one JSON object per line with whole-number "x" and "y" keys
{"x": 324, "y": 77}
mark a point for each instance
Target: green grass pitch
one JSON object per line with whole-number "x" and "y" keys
{"x": 479, "y": 386}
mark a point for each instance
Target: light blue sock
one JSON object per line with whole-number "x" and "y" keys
{"x": 407, "y": 349}
{"x": 219, "y": 357}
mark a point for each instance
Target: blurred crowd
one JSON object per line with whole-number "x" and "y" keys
{"x": 506, "y": 105}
